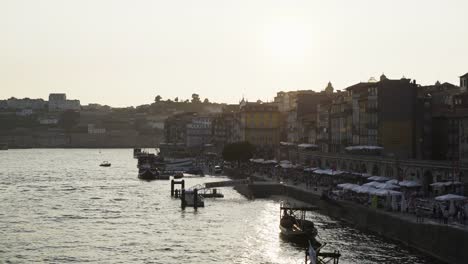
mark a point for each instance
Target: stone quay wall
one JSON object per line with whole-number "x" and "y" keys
{"x": 447, "y": 243}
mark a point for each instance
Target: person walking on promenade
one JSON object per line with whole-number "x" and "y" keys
{"x": 446, "y": 216}
{"x": 440, "y": 215}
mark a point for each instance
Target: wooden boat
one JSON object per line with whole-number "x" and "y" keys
{"x": 148, "y": 174}
{"x": 105, "y": 164}
{"x": 294, "y": 226}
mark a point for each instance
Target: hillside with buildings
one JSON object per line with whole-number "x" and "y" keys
{"x": 61, "y": 122}
{"x": 398, "y": 117}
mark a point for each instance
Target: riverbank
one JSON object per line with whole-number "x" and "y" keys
{"x": 445, "y": 242}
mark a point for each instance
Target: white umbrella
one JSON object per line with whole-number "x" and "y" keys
{"x": 394, "y": 181}
{"x": 379, "y": 178}
{"x": 450, "y": 197}
{"x": 349, "y": 186}
{"x": 387, "y": 186}
{"x": 373, "y": 184}
{"x": 409, "y": 184}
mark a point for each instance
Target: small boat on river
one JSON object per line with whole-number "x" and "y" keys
{"x": 105, "y": 164}
{"x": 294, "y": 226}
{"x": 150, "y": 174}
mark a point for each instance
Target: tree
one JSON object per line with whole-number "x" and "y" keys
{"x": 206, "y": 101}
{"x": 186, "y": 101}
{"x": 158, "y": 98}
{"x": 238, "y": 151}
{"x": 176, "y": 99}
{"x": 195, "y": 98}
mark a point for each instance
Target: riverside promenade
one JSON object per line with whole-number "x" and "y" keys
{"x": 448, "y": 243}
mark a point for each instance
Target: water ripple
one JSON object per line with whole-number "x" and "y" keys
{"x": 59, "y": 206}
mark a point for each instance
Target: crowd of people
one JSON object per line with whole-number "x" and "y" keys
{"x": 408, "y": 199}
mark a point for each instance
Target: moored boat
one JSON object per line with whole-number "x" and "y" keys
{"x": 105, "y": 164}
{"x": 148, "y": 174}
{"x": 294, "y": 226}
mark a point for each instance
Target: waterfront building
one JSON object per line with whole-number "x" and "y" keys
{"x": 301, "y": 124}
{"x": 286, "y": 101}
{"x": 175, "y": 128}
{"x": 25, "y": 103}
{"x": 48, "y": 121}
{"x": 341, "y": 122}
{"x": 323, "y": 126}
{"x": 440, "y": 96}
{"x": 226, "y": 127}
{"x": 423, "y": 125}
{"x": 199, "y": 131}
{"x": 59, "y": 102}
{"x": 25, "y": 112}
{"x": 464, "y": 82}
{"x": 291, "y": 126}
{"x": 458, "y": 128}
{"x": 92, "y": 129}
{"x": 383, "y": 115}
{"x": 259, "y": 125}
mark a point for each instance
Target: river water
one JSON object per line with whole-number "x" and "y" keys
{"x": 59, "y": 206}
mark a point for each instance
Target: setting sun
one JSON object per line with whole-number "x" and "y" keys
{"x": 287, "y": 41}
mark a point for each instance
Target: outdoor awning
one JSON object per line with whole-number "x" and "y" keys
{"x": 379, "y": 178}
{"x": 441, "y": 184}
{"x": 257, "y": 160}
{"x": 387, "y": 186}
{"x": 394, "y": 181}
{"x": 409, "y": 184}
{"x": 364, "y": 189}
{"x": 304, "y": 145}
{"x": 363, "y": 148}
{"x": 383, "y": 192}
{"x": 347, "y": 186}
{"x": 372, "y": 184}
{"x": 328, "y": 172}
{"x": 451, "y": 197}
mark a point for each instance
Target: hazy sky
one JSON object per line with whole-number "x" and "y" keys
{"x": 122, "y": 52}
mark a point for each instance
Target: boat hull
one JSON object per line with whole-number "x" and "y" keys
{"x": 147, "y": 175}
{"x": 297, "y": 235}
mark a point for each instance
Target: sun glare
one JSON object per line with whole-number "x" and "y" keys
{"x": 287, "y": 41}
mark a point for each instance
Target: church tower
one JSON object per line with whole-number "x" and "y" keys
{"x": 329, "y": 88}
